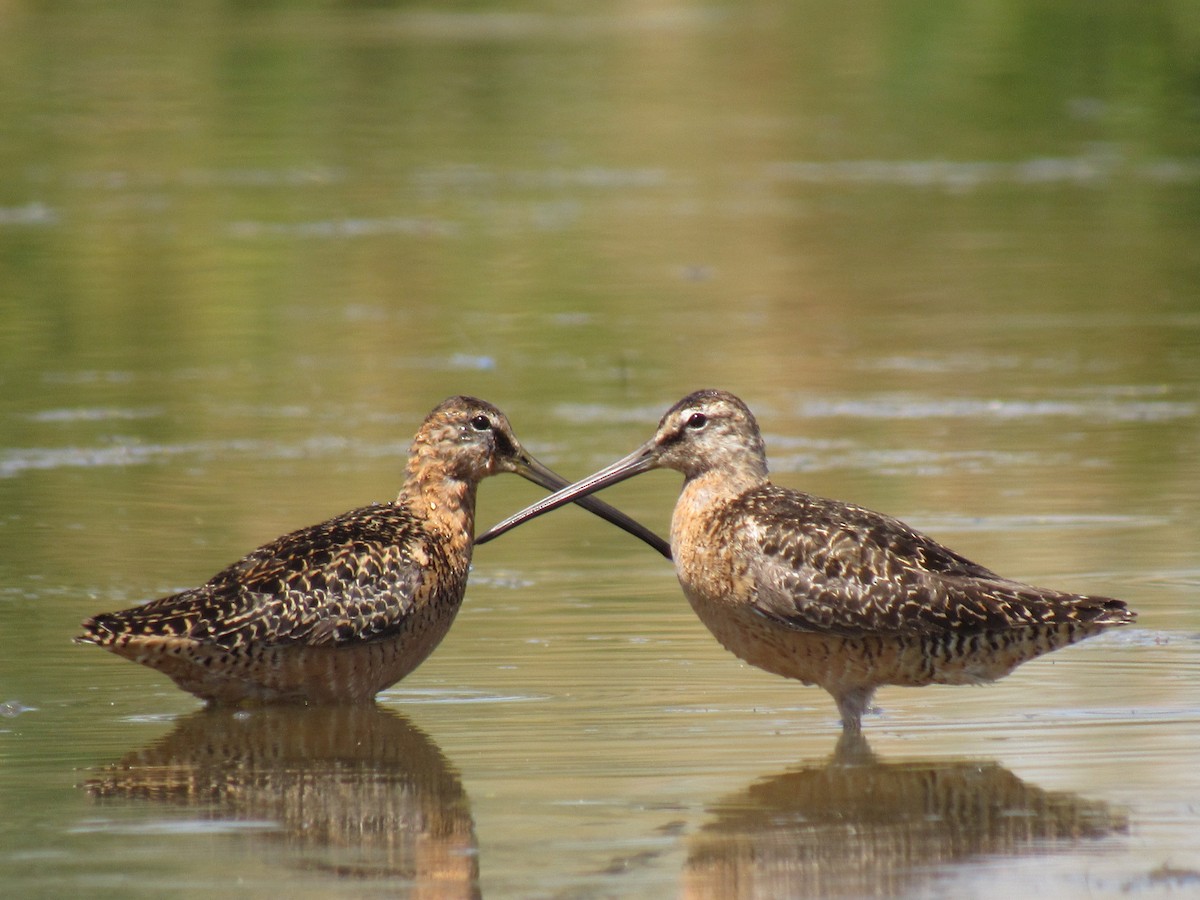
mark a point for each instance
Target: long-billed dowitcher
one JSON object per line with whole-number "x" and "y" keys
{"x": 826, "y": 592}
{"x": 341, "y": 610}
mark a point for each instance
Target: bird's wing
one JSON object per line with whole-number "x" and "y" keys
{"x": 354, "y": 577}
{"x": 824, "y": 566}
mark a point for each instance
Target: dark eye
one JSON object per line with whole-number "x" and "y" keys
{"x": 696, "y": 421}
{"x": 481, "y": 423}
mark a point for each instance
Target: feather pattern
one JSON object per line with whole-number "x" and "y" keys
{"x": 820, "y": 565}
{"x": 354, "y": 578}
{"x": 826, "y": 592}
{"x": 338, "y": 611}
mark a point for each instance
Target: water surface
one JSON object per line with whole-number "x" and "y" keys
{"x": 949, "y": 257}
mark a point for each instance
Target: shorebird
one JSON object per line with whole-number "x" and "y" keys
{"x": 338, "y": 611}
{"x": 825, "y": 592}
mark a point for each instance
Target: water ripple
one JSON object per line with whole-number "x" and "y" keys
{"x": 909, "y": 407}
{"x": 95, "y": 414}
{"x": 35, "y": 213}
{"x": 344, "y": 228}
{"x": 905, "y": 461}
{"x": 959, "y": 175}
{"x": 173, "y": 826}
{"x": 455, "y": 696}
{"x": 25, "y": 459}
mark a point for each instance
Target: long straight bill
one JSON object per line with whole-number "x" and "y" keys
{"x": 539, "y": 474}
{"x": 641, "y": 460}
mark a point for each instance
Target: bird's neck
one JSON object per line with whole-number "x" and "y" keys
{"x": 705, "y": 493}
{"x": 443, "y": 500}
{"x": 722, "y": 483}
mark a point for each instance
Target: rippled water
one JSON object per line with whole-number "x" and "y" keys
{"x": 949, "y": 257}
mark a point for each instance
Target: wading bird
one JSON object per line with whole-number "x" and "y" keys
{"x": 341, "y": 610}
{"x": 826, "y": 592}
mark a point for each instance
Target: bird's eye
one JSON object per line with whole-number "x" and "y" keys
{"x": 696, "y": 421}
{"x": 481, "y": 423}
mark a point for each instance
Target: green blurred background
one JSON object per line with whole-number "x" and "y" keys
{"x": 948, "y": 252}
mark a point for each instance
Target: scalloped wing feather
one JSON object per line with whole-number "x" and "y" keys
{"x": 820, "y": 565}
{"x": 352, "y": 578}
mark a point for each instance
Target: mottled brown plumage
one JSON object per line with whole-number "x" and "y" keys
{"x": 341, "y": 610}
{"x": 356, "y": 791}
{"x": 856, "y": 826}
{"x": 826, "y": 592}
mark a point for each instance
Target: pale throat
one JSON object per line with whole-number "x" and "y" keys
{"x": 703, "y": 499}
{"x": 445, "y": 501}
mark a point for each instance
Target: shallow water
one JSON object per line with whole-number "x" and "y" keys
{"x": 949, "y": 258}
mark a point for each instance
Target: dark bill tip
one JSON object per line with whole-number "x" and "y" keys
{"x": 640, "y": 460}
{"x": 534, "y": 471}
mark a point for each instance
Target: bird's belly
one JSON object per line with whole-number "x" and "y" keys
{"x": 350, "y": 672}
{"x": 838, "y": 663}
{"x": 831, "y": 661}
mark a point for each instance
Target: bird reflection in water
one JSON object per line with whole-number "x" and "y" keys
{"x": 352, "y": 791}
{"x": 856, "y": 826}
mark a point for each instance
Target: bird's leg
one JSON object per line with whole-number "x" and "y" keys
{"x": 852, "y": 704}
